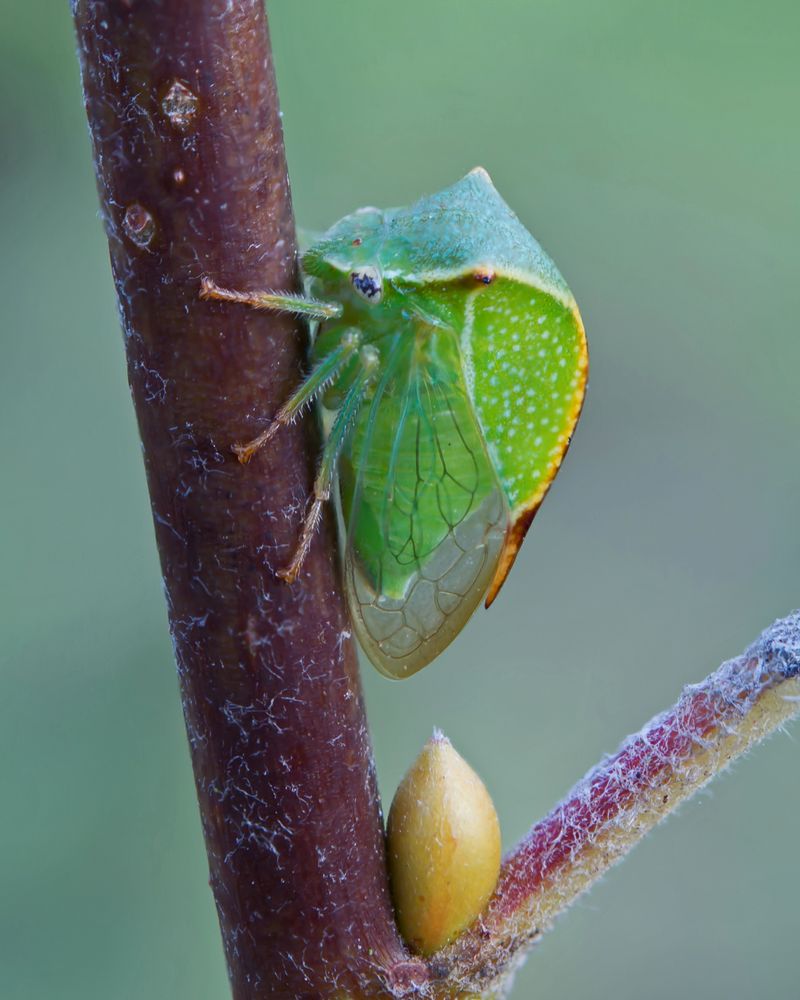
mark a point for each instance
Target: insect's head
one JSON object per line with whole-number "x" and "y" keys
{"x": 346, "y": 260}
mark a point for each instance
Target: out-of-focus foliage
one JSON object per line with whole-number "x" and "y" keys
{"x": 653, "y": 150}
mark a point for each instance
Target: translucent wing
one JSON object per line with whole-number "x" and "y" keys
{"x": 426, "y": 515}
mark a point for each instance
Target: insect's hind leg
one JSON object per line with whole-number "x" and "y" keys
{"x": 320, "y": 377}
{"x": 342, "y": 425}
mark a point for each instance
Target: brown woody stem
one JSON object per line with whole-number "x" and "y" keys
{"x": 188, "y": 150}
{"x": 622, "y": 798}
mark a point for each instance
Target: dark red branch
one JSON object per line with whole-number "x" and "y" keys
{"x": 189, "y": 155}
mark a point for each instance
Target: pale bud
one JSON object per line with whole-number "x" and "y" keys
{"x": 443, "y": 841}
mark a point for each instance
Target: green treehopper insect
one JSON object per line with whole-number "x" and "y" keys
{"x": 454, "y": 357}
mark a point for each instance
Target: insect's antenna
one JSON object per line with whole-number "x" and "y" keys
{"x": 280, "y": 302}
{"x": 320, "y": 377}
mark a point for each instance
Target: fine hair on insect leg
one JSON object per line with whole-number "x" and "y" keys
{"x": 309, "y": 389}
{"x": 276, "y": 301}
{"x": 342, "y": 425}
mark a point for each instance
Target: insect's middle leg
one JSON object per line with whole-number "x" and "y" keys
{"x": 342, "y": 425}
{"x": 308, "y": 390}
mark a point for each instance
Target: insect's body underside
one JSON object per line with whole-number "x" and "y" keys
{"x": 457, "y": 368}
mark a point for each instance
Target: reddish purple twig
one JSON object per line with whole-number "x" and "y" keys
{"x": 622, "y": 798}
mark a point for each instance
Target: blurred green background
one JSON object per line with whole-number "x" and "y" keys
{"x": 653, "y": 149}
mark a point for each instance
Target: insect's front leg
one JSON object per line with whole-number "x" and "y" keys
{"x": 276, "y": 301}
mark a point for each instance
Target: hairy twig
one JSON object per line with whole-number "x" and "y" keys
{"x": 621, "y": 799}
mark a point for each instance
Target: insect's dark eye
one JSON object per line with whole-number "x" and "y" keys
{"x": 485, "y": 276}
{"x": 357, "y": 242}
{"x": 367, "y": 282}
